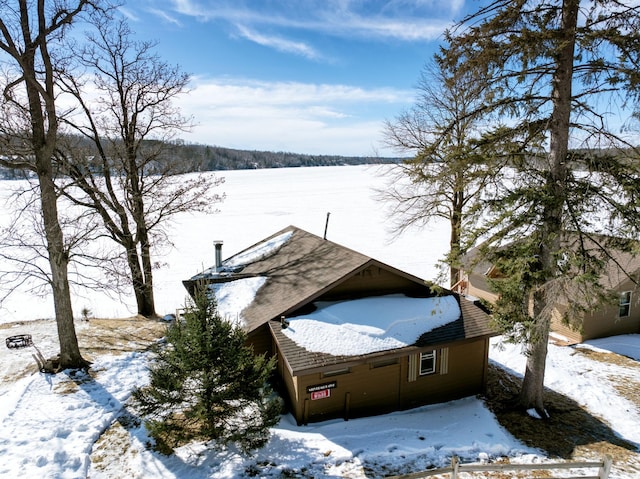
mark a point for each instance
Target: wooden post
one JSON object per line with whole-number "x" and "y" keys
{"x": 347, "y": 405}
{"x": 305, "y": 412}
{"x": 605, "y": 469}
{"x": 455, "y": 462}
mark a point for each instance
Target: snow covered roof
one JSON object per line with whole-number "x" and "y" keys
{"x": 297, "y": 265}
{"x": 233, "y": 297}
{"x": 293, "y": 271}
{"x": 367, "y": 325}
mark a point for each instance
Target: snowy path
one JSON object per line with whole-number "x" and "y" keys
{"x": 49, "y": 424}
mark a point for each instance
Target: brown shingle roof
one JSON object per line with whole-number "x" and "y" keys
{"x": 300, "y": 270}
{"x": 305, "y": 267}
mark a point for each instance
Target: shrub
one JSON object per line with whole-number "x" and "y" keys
{"x": 207, "y": 384}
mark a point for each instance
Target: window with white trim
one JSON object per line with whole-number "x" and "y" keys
{"x": 427, "y": 362}
{"x": 625, "y": 304}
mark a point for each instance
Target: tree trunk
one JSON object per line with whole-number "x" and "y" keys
{"x": 139, "y": 280}
{"x": 532, "y": 392}
{"x": 148, "y": 307}
{"x": 456, "y": 229}
{"x": 44, "y": 127}
{"x": 70, "y": 357}
{"x": 144, "y": 295}
{"x": 552, "y": 227}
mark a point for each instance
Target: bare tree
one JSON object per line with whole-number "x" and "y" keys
{"x": 555, "y": 67}
{"x": 30, "y": 36}
{"x": 129, "y": 176}
{"x": 448, "y": 172}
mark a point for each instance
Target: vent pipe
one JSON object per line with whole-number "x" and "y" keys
{"x": 326, "y": 225}
{"x": 218, "y": 249}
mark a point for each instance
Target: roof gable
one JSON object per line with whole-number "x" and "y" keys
{"x": 299, "y": 267}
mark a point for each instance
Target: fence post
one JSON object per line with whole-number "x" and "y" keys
{"x": 454, "y": 467}
{"x": 605, "y": 469}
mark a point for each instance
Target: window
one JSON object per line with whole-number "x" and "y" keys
{"x": 625, "y": 304}
{"x": 427, "y": 363}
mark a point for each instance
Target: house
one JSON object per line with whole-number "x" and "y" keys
{"x": 352, "y": 335}
{"x": 621, "y": 317}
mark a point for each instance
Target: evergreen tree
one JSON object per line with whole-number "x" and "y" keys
{"x": 207, "y": 384}
{"x": 556, "y": 69}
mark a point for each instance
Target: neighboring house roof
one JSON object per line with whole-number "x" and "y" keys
{"x": 618, "y": 265}
{"x": 299, "y": 267}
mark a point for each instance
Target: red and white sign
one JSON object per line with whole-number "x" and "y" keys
{"x": 322, "y": 394}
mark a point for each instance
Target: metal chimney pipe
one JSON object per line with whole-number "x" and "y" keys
{"x": 218, "y": 248}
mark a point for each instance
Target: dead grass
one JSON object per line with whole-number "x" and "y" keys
{"x": 95, "y": 337}
{"x": 117, "y": 437}
{"x": 112, "y": 336}
{"x": 627, "y": 387}
{"x": 571, "y": 433}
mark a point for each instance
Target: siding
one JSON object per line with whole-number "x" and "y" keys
{"x": 375, "y": 280}
{"x": 604, "y": 321}
{"x": 378, "y": 387}
{"x": 466, "y": 376}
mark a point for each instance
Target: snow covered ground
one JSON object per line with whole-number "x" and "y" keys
{"x": 54, "y": 426}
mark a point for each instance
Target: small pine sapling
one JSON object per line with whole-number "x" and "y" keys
{"x": 208, "y": 385}
{"x": 86, "y": 313}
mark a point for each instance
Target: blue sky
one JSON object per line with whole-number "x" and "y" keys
{"x": 306, "y": 76}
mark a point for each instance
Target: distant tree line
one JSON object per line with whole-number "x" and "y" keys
{"x": 212, "y": 158}
{"x": 200, "y": 158}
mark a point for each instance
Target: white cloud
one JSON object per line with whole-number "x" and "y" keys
{"x": 416, "y": 20}
{"x": 168, "y": 18}
{"x": 296, "y": 117}
{"x": 280, "y": 44}
{"x": 129, "y": 14}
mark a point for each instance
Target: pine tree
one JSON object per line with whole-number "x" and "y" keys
{"x": 557, "y": 71}
{"x": 207, "y": 384}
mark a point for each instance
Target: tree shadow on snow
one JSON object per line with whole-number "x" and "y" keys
{"x": 125, "y": 433}
{"x": 569, "y": 427}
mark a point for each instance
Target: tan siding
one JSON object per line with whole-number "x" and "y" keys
{"x": 605, "y": 321}
{"x": 368, "y": 390}
{"x": 373, "y": 280}
{"x": 361, "y": 392}
{"x": 261, "y": 340}
{"x": 481, "y": 293}
{"x": 466, "y": 375}
{"x": 291, "y": 390}
{"x": 327, "y": 408}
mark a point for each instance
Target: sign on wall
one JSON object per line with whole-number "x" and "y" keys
{"x": 321, "y": 391}
{"x": 322, "y": 394}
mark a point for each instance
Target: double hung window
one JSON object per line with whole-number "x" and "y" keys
{"x": 427, "y": 362}
{"x": 625, "y": 304}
